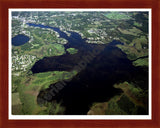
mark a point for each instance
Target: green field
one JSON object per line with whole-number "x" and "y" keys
{"x": 141, "y": 62}
{"x": 29, "y": 87}
{"x": 137, "y": 24}
{"x": 135, "y": 49}
{"x": 117, "y": 16}
{"x": 130, "y": 102}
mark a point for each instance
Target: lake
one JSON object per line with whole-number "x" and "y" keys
{"x": 100, "y": 67}
{"x": 20, "y": 40}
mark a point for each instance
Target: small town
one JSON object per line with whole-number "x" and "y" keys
{"x": 22, "y": 62}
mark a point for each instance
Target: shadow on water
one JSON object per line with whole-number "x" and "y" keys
{"x": 94, "y": 83}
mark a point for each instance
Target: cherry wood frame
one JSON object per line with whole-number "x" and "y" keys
{"x": 6, "y": 4}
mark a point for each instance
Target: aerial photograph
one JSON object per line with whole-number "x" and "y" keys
{"x": 79, "y": 62}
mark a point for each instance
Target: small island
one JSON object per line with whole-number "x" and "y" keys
{"x": 72, "y": 50}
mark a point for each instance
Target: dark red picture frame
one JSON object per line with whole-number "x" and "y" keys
{"x": 6, "y": 4}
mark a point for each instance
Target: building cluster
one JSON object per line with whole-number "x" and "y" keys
{"x": 22, "y": 62}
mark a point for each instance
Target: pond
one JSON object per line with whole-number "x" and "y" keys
{"x": 20, "y": 40}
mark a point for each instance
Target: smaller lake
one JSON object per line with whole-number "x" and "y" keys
{"x": 20, "y": 40}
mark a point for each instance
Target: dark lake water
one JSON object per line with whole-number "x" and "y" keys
{"x": 100, "y": 67}
{"x": 20, "y": 40}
